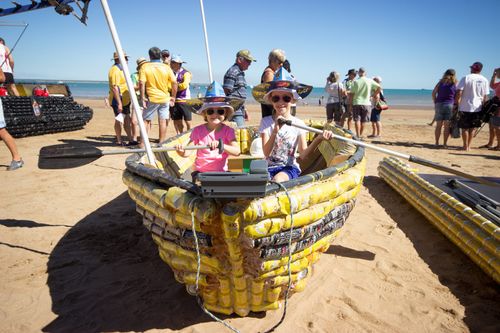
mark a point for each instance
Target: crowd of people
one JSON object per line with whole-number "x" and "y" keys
{"x": 464, "y": 102}
{"x": 351, "y": 103}
{"x": 355, "y": 100}
{"x": 162, "y": 88}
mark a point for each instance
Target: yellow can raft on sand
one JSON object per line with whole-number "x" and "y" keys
{"x": 476, "y": 236}
{"x": 243, "y": 243}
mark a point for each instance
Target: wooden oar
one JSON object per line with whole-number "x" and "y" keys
{"x": 65, "y": 157}
{"x": 411, "y": 158}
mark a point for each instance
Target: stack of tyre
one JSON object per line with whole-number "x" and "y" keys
{"x": 28, "y": 116}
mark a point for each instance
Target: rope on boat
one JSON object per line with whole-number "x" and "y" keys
{"x": 198, "y": 269}
{"x": 289, "y": 260}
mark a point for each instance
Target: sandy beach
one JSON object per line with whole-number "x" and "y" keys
{"x": 75, "y": 257}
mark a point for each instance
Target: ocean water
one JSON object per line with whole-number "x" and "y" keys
{"x": 395, "y": 97}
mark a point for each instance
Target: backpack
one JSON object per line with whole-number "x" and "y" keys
{"x": 489, "y": 108}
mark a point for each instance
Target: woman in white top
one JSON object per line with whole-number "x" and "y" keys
{"x": 7, "y": 65}
{"x": 335, "y": 90}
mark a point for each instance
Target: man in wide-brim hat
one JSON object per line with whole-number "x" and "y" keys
{"x": 119, "y": 99}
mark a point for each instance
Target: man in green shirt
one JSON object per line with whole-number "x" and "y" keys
{"x": 360, "y": 100}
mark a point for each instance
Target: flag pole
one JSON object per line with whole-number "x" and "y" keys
{"x": 206, "y": 42}
{"x": 130, "y": 85}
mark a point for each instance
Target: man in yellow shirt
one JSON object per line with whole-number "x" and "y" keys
{"x": 119, "y": 99}
{"x": 155, "y": 79}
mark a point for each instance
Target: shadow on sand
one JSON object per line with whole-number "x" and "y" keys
{"x": 343, "y": 251}
{"x": 477, "y": 292}
{"x": 106, "y": 275}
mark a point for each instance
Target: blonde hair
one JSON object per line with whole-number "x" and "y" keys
{"x": 449, "y": 77}
{"x": 277, "y": 55}
{"x": 334, "y": 76}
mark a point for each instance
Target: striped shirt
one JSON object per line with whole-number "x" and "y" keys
{"x": 234, "y": 81}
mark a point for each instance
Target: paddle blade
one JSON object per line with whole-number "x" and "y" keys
{"x": 64, "y": 156}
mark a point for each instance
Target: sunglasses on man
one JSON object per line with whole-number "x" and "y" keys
{"x": 220, "y": 112}
{"x": 285, "y": 98}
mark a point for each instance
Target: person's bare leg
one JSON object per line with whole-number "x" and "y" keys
{"x": 342, "y": 122}
{"x": 446, "y": 133}
{"x": 178, "y": 126}
{"x": 374, "y": 129}
{"x": 437, "y": 131}
{"x": 11, "y": 144}
{"x": 188, "y": 125}
{"x": 118, "y": 131}
{"x": 281, "y": 177}
{"x": 127, "y": 124}
{"x": 465, "y": 139}
{"x": 378, "y": 126}
{"x": 134, "y": 126}
{"x": 163, "y": 123}
{"x": 491, "y": 138}
{"x": 497, "y": 134}
{"x": 13, "y": 89}
{"x": 357, "y": 126}
{"x": 471, "y": 136}
{"x": 361, "y": 129}
{"x": 147, "y": 125}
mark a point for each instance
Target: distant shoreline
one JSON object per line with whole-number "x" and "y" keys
{"x": 403, "y": 98}
{"x": 251, "y": 101}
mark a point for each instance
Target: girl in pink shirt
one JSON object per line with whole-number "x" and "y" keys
{"x": 216, "y": 108}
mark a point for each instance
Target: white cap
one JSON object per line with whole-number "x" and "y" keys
{"x": 377, "y": 78}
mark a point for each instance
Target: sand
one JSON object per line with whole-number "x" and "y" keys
{"x": 75, "y": 258}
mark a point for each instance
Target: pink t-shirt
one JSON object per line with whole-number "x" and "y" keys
{"x": 496, "y": 87}
{"x": 211, "y": 160}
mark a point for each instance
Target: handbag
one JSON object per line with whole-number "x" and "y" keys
{"x": 341, "y": 100}
{"x": 381, "y": 105}
{"x": 454, "y": 129}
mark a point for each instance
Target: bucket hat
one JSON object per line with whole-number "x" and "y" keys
{"x": 215, "y": 98}
{"x": 283, "y": 81}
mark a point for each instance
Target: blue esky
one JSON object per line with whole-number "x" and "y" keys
{"x": 408, "y": 43}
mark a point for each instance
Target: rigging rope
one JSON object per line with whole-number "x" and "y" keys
{"x": 198, "y": 268}
{"x": 15, "y": 44}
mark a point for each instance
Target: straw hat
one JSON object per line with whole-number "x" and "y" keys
{"x": 215, "y": 98}
{"x": 140, "y": 62}
{"x": 177, "y": 58}
{"x": 283, "y": 81}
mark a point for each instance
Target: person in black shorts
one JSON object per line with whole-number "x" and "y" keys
{"x": 17, "y": 162}
{"x": 7, "y": 65}
{"x": 179, "y": 112}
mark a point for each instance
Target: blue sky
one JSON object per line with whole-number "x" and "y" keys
{"x": 408, "y": 43}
